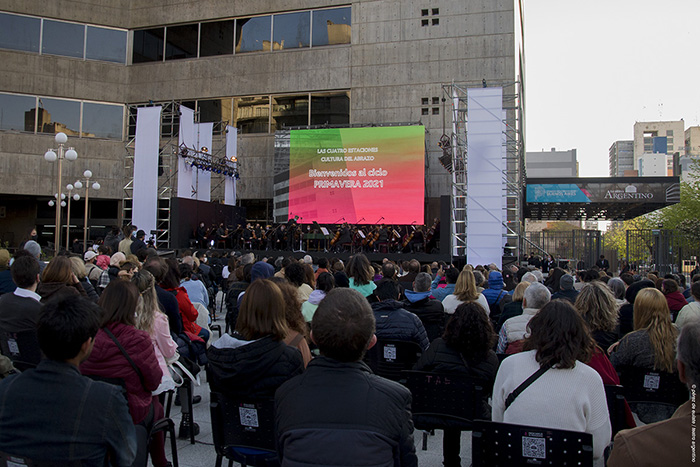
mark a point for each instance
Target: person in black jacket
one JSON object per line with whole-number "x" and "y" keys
{"x": 338, "y": 412}
{"x": 392, "y": 321}
{"x": 466, "y": 349}
{"x": 429, "y": 311}
{"x": 254, "y": 361}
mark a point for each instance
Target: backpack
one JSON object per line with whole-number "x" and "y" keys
{"x": 495, "y": 308}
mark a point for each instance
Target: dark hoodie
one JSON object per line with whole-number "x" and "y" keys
{"x": 627, "y": 310}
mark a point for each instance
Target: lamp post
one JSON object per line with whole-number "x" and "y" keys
{"x": 76, "y": 197}
{"x": 95, "y": 186}
{"x": 59, "y": 154}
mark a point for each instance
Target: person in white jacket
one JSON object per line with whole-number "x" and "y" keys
{"x": 569, "y": 395}
{"x": 465, "y": 291}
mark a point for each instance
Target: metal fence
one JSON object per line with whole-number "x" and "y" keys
{"x": 660, "y": 250}
{"x": 574, "y": 247}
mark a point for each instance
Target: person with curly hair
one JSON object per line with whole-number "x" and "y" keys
{"x": 597, "y": 305}
{"x": 465, "y": 348}
{"x": 567, "y": 394}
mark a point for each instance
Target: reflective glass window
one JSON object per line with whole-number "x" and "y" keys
{"x": 252, "y": 114}
{"x": 331, "y": 108}
{"x": 291, "y": 30}
{"x": 214, "y": 110}
{"x": 104, "y": 44}
{"x": 216, "y": 38}
{"x": 103, "y": 120}
{"x": 253, "y": 34}
{"x": 331, "y": 26}
{"x": 61, "y": 38}
{"x": 17, "y": 112}
{"x": 148, "y": 45}
{"x": 290, "y": 111}
{"x": 56, "y": 115}
{"x": 181, "y": 41}
{"x": 19, "y": 32}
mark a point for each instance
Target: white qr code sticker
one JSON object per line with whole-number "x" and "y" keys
{"x": 12, "y": 346}
{"x": 249, "y": 417}
{"x": 651, "y": 381}
{"x": 389, "y": 352}
{"x": 534, "y": 447}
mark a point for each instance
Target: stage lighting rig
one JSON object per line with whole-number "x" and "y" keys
{"x": 202, "y": 160}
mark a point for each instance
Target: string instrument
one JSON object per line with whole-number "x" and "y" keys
{"x": 408, "y": 238}
{"x": 335, "y": 238}
{"x": 431, "y": 231}
{"x": 372, "y": 237}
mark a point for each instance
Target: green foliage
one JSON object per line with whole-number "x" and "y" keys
{"x": 616, "y": 236}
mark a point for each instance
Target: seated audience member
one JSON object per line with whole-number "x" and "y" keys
{"x": 480, "y": 281}
{"x": 406, "y": 281}
{"x": 465, "y": 291}
{"x": 196, "y": 290}
{"x": 19, "y": 310}
{"x": 650, "y": 346}
{"x": 338, "y": 405}
{"x": 450, "y": 275}
{"x": 34, "y": 249}
{"x": 81, "y": 274}
{"x": 324, "y": 284}
{"x": 322, "y": 267}
{"x": 597, "y": 305}
{"x": 626, "y": 310}
{"x": 515, "y": 307}
{"x": 295, "y": 273}
{"x": 465, "y": 349}
{"x": 297, "y": 332}
{"x": 513, "y": 330}
{"x": 429, "y": 311}
{"x": 119, "y": 303}
{"x": 566, "y": 289}
{"x": 495, "y": 292}
{"x": 6, "y": 283}
{"x": 111, "y": 273}
{"x": 689, "y": 312}
{"x": 166, "y": 300}
{"x": 392, "y": 321}
{"x": 567, "y": 394}
{"x": 668, "y": 442}
{"x": 58, "y": 281}
{"x": 55, "y": 414}
{"x": 127, "y": 270}
{"x": 553, "y": 280}
{"x": 93, "y": 272}
{"x": 254, "y": 361}
{"x": 618, "y": 288}
{"x": 674, "y": 297}
{"x": 360, "y": 274}
{"x": 188, "y": 312}
{"x": 103, "y": 257}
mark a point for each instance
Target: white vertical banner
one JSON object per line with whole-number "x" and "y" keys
{"x": 147, "y": 145}
{"x": 186, "y": 138}
{"x": 201, "y": 179}
{"x": 485, "y": 178}
{"x": 231, "y": 152}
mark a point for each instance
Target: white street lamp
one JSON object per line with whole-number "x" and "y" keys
{"x": 95, "y": 186}
{"x": 53, "y": 155}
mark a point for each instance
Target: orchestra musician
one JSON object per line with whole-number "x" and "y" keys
{"x": 202, "y": 233}
{"x": 222, "y": 235}
{"x": 345, "y": 236}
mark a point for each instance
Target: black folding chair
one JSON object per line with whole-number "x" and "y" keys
{"x": 388, "y": 358}
{"x": 615, "y": 396}
{"x": 243, "y": 430}
{"x": 445, "y": 401}
{"x": 22, "y": 348}
{"x": 11, "y": 460}
{"x": 653, "y": 395}
{"x": 503, "y": 444}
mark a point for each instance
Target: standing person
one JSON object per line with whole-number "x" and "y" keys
{"x": 566, "y": 394}
{"x": 125, "y": 244}
{"x": 55, "y": 414}
{"x": 337, "y": 404}
{"x": 138, "y": 243}
{"x": 603, "y": 264}
{"x": 465, "y": 349}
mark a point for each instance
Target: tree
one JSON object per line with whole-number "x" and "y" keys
{"x": 616, "y": 237}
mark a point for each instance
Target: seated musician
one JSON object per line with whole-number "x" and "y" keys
{"x": 345, "y": 236}
{"x": 222, "y": 235}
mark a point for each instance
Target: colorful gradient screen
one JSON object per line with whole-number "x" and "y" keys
{"x": 357, "y": 175}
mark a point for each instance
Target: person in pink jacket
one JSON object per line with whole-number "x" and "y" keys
{"x": 151, "y": 319}
{"x": 119, "y": 301}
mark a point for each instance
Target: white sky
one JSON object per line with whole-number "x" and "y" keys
{"x": 593, "y": 68}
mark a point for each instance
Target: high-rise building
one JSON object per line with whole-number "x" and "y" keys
{"x": 621, "y": 157}
{"x": 258, "y": 66}
{"x": 657, "y": 138}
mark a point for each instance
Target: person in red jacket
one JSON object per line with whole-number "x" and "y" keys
{"x": 119, "y": 301}
{"x": 171, "y": 283}
{"x": 674, "y": 297}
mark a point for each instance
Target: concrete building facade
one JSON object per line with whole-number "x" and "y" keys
{"x": 257, "y": 64}
{"x": 551, "y": 164}
{"x": 621, "y": 158}
{"x": 648, "y": 139}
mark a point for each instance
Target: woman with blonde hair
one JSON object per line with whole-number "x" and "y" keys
{"x": 515, "y": 307}
{"x": 597, "y": 305}
{"x": 465, "y": 292}
{"x": 81, "y": 274}
{"x": 151, "y": 319}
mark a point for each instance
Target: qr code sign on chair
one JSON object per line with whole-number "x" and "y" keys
{"x": 249, "y": 416}
{"x": 534, "y": 447}
{"x": 652, "y": 381}
{"x": 390, "y": 352}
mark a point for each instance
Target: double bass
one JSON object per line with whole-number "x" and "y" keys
{"x": 335, "y": 238}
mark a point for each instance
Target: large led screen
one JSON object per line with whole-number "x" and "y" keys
{"x": 357, "y": 175}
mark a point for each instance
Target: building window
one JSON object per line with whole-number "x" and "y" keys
{"x": 290, "y": 111}
{"x": 17, "y": 112}
{"x": 102, "y": 120}
{"x": 214, "y": 110}
{"x": 61, "y": 38}
{"x": 148, "y": 45}
{"x": 253, "y": 34}
{"x": 216, "y": 38}
{"x": 291, "y": 30}
{"x": 108, "y": 45}
{"x": 58, "y": 115}
{"x": 330, "y": 108}
{"x": 331, "y": 27}
{"x": 252, "y": 114}
{"x": 181, "y": 41}
{"x": 19, "y": 32}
